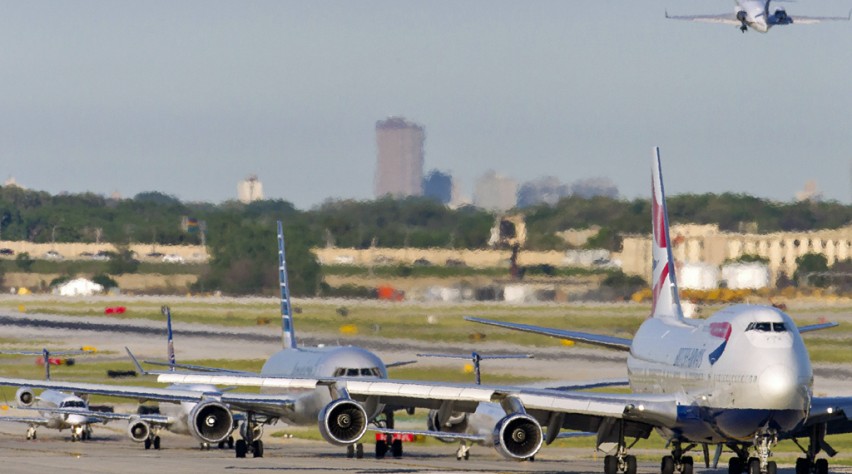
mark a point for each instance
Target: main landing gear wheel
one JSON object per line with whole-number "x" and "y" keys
{"x": 257, "y": 449}
{"x": 31, "y": 433}
{"x": 396, "y": 448}
{"x": 156, "y": 442}
{"x": 241, "y": 448}
{"x": 359, "y": 451}
{"x": 381, "y": 448}
{"x": 667, "y": 466}
{"x": 147, "y": 443}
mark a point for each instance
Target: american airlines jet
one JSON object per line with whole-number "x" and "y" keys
{"x": 739, "y": 380}
{"x": 756, "y": 14}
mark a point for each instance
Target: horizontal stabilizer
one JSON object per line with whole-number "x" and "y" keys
{"x": 817, "y": 327}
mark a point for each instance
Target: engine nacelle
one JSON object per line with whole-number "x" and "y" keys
{"x": 25, "y": 397}
{"x": 517, "y": 436}
{"x": 742, "y": 15}
{"x": 138, "y": 430}
{"x": 210, "y": 422}
{"x": 257, "y": 432}
{"x": 342, "y": 422}
{"x": 456, "y": 423}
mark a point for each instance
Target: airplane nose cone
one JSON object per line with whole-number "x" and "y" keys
{"x": 778, "y": 386}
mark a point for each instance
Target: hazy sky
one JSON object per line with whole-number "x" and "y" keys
{"x": 188, "y": 97}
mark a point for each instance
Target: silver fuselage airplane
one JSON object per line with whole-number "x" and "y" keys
{"x": 757, "y": 15}
{"x": 58, "y": 411}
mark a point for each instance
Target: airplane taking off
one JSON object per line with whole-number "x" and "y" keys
{"x": 740, "y": 379}
{"x": 342, "y": 421}
{"x": 755, "y": 14}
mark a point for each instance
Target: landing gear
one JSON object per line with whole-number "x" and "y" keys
{"x": 621, "y": 461}
{"x": 816, "y": 443}
{"x": 677, "y": 461}
{"x": 390, "y": 442}
{"x": 229, "y": 443}
{"x": 381, "y": 448}
{"x": 248, "y": 443}
{"x": 355, "y": 451}
{"x": 156, "y": 442}
{"x": 31, "y": 433}
{"x": 463, "y": 452}
{"x": 77, "y": 433}
{"x": 205, "y": 446}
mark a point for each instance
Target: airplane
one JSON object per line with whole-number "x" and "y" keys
{"x": 58, "y": 410}
{"x": 755, "y": 14}
{"x": 342, "y": 421}
{"x": 145, "y": 425}
{"x": 740, "y": 379}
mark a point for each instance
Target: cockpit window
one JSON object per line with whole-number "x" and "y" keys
{"x": 73, "y": 404}
{"x": 363, "y": 372}
{"x": 766, "y": 327}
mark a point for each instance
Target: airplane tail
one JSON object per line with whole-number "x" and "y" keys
{"x": 288, "y": 333}
{"x": 666, "y": 303}
{"x": 171, "y": 342}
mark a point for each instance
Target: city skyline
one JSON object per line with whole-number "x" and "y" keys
{"x": 184, "y": 98}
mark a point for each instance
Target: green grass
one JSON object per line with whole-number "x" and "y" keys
{"x": 74, "y": 267}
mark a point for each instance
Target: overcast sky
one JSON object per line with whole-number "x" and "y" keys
{"x": 189, "y": 97}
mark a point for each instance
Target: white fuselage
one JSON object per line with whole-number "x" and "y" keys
{"x": 742, "y": 371}
{"x": 52, "y": 399}
{"x": 321, "y": 363}
{"x": 756, "y": 14}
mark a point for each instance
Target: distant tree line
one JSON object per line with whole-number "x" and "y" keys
{"x": 241, "y": 237}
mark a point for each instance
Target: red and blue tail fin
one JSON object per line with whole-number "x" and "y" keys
{"x": 666, "y": 303}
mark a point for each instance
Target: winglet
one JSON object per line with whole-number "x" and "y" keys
{"x": 666, "y": 303}
{"x": 288, "y": 333}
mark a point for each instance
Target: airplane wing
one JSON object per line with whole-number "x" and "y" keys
{"x": 817, "y": 327}
{"x": 23, "y": 419}
{"x": 594, "y": 339}
{"x": 104, "y": 416}
{"x": 811, "y": 20}
{"x": 725, "y": 18}
{"x": 270, "y": 405}
{"x": 589, "y": 408}
{"x": 433, "y": 434}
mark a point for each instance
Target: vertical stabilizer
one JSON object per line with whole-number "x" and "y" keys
{"x": 666, "y": 303}
{"x": 170, "y": 348}
{"x": 288, "y": 334}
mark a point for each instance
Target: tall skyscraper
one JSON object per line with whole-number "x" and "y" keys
{"x": 399, "y": 167}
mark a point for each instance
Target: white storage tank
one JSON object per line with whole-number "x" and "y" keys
{"x": 746, "y": 276}
{"x": 698, "y": 276}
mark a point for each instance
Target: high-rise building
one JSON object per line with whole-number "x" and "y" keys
{"x": 250, "y": 189}
{"x": 495, "y": 192}
{"x": 399, "y": 166}
{"x": 438, "y": 186}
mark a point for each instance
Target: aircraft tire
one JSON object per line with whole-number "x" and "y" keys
{"x": 359, "y": 451}
{"x": 821, "y": 466}
{"x": 772, "y": 467}
{"x": 396, "y": 448}
{"x": 156, "y": 442}
{"x": 687, "y": 463}
{"x": 735, "y": 466}
{"x": 241, "y": 448}
{"x": 350, "y": 451}
{"x": 630, "y": 460}
{"x": 667, "y": 465}
{"x": 381, "y": 449}
{"x": 611, "y": 465}
{"x": 803, "y": 466}
{"x": 230, "y": 442}
{"x": 754, "y": 466}
{"x": 257, "y": 448}
{"x": 147, "y": 443}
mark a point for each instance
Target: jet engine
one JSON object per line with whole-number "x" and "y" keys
{"x": 342, "y": 422}
{"x": 138, "y": 430}
{"x": 742, "y": 15}
{"x": 456, "y": 423}
{"x": 25, "y": 397}
{"x": 257, "y": 432}
{"x": 517, "y": 436}
{"x": 210, "y": 422}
